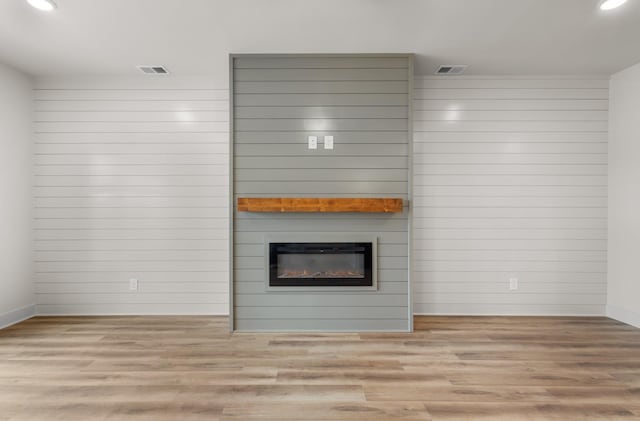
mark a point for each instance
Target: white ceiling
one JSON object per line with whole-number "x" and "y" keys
{"x": 516, "y": 37}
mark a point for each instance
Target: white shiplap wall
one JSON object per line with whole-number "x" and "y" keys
{"x": 131, "y": 181}
{"x": 510, "y": 180}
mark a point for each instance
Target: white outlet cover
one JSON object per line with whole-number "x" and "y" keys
{"x": 513, "y": 284}
{"x": 313, "y": 142}
{"x": 133, "y": 284}
{"x": 328, "y": 142}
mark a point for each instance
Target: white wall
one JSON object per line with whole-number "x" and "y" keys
{"x": 623, "y": 300}
{"x": 16, "y": 286}
{"x": 131, "y": 181}
{"x": 510, "y": 180}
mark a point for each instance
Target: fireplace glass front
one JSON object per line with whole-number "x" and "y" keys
{"x": 320, "y": 264}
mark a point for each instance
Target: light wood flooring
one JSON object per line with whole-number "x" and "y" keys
{"x": 184, "y": 368}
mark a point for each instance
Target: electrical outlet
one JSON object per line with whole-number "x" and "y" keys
{"x": 133, "y": 284}
{"x": 328, "y": 142}
{"x": 513, "y": 284}
{"x": 313, "y": 142}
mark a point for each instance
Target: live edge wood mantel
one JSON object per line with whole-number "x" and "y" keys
{"x": 319, "y": 204}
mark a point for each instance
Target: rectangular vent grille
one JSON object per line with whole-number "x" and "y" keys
{"x": 153, "y": 70}
{"x": 451, "y": 69}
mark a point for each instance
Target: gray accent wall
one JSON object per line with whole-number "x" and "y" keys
{"x": 364, "y": 102}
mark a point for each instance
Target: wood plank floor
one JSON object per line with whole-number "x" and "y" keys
{"x": 451, "y": 368}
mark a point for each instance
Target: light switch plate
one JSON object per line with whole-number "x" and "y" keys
{"x": 328, "y": 142}
{"x": 133, "y": 284}
{"x": 313, "y": 142}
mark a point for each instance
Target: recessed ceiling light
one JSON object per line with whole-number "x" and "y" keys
{"x": 611, "y": 4}
{"x": 46, "y": 5}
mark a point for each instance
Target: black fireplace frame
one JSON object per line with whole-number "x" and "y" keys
{"x": 367, "y": 249}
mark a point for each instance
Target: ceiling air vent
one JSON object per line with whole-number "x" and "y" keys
{"x": 153, "y": 70}
{"x": 451, "y": 69}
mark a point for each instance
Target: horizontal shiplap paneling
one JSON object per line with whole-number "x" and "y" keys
{"x": 363, "y": 103}
{"x": 131, "y": 181}
{"x": 510, "y": 180}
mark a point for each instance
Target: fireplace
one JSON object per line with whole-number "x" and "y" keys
{"x": 344, "y": 264}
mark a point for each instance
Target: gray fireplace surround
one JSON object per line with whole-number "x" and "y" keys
{"x": 364, "y": 102}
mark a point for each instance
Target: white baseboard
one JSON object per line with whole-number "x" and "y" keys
{"x": 623, "y": 315}
{"x": 474, "y": 314}
{"x": 17, "y": 315}
{"x": 118, "y": 314}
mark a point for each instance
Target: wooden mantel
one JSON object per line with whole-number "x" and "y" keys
{"x": 319, "y": 204}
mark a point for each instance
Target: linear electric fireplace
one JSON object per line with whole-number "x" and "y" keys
{"x": 344, "y": 264}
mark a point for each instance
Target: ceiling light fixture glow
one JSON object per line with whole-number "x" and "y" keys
{"x": 46, "y": 5}
{"x": 611, "y": 4}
